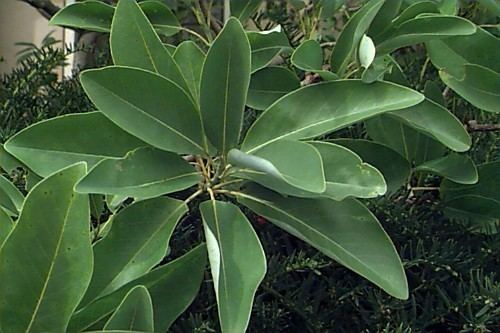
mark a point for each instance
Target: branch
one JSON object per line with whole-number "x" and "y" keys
{"x": 44, "y": 7}
{"x": 473, "y": 126}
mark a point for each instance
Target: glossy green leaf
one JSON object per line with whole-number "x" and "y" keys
{"x": 268, "y": 85}
{"x": 366, "y": 51}
{"x": 383, "y": 19}
{"x": 134, "y": 43}
{"x": 143, "y": 173}
{"x": 412, "y": 11}
{"x": 347, "y": 175}
{"x": 480, "y": 48}
{"x": 56, "y": 143}
{"x": 395, "y": 173}
{"x": 487, "y": 186}
{"x": 190, "y": 59}
{"x": 455, "y": 167}
{"x": 46, "y": 263}
{"x": 350, "y": 37}
{"x": 237, "y": 262}
{"x": 172, "y": 288}
{"x": 6, "y": 226}
{"x": 414, "y": 146}
{"x": 479, "y": 85}
{"x": 377, "y": 69}
{"x": 88, "y": 15}
{"x": 137, "y": 241}
{"x": 147, "y": 105}
{"x": 284, "y": 166}
{"x": 425, "y": 28}
{"x": 330, "y": 106}
{"x": 224, "y": 85}
{"x": 475, "y": 208}
{"x": 11, "y": 199}
{"x": 244, "y": 9}
{"x": 345, "y": 230}
{"x": 8, "y": 162}
{"x": 161, "y": 17}
{"x": 437, "y": 122}
{"x": 308, "y": 56}
{"x": 492, "y": 5}
{"x": 266, "y": 45}
{"x": 449, "y": 7}
{"x": 135, "y": 313}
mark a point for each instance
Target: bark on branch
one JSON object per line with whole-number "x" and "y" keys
{"x": 45, "y": 7}
{"x": 473, "y": 126}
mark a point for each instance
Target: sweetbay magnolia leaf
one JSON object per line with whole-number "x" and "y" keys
{"x": 224, "y": 85}
{"x": 39, "y": 289}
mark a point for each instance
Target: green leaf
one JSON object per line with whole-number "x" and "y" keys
{"x": 347, "y": 175}
{"x": 346, "y": 231}
{"x": 8, "y": 162}
{"x": 56, "y": 143}
{"x": 46, "y": 263}
{"x": 330, "y": 106}
{"x": 88, "y": 15}
{"x": 481, "y": 48}
{"x": 425, "y": 28}
{"x": 350, "y": 37}
{"x": 308, "y": 56}
{"x": 437, "y": 122}
{"x": 135, "y": 313}
{"x": 161, "y": 17}
{"x": 378, "y": 69}
{"x": 475, "y": 208}
{"x": 190, "y": 59}
{"x": 137, "y": 241}
{"x": 455, "y": 167}
{"x": 11, "y": 199}
{"x": 6, "y": 226}
{"x": 383, "y": 19}
{"x": 487, "y": 186}
{"x": 492, "y": 5}
{"x": 284, "y": 166}
{"x": 147, "y": 105}
{"x": 224, "y": 85}
{"x": 172, "y": 288}
{"x": 266, "y": 45}
{"x": 134, "y": 43}
{"x": 268, "y": 85}
{"x": 243, "y": 10}
{"x": 479, "y": 85}
{"x": 143, "y": 173}
{"x": 395, "y": 173}
{"x": 237, "y": 262}
{"x": 414, "y": 146}
{"x": 412, "y": 11}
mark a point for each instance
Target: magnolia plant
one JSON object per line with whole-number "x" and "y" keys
{"x": 169, "y": 121}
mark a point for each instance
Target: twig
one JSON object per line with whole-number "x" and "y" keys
{"x": 473, "y": 126}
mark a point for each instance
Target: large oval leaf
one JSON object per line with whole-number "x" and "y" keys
{"x": 266, "y": 45}
{"x": 478, "y": 85}
{"x": 172, "y": 288}
{"x": 350, "y": 37}
{"x": 147, "y": 105}
{"x": 269, "y": 84}
{"x": 144, "y": 173}
{"x": 6, "y": 226}
{"x": 50, "y": 249}
{"x": 285, "y": 166}
{"x": 455, "y": 167}
{"x": 243, "y": 9}
{"x": 89, "y": 15}
{"x": 344, "y": 230}
{"x": 137, "y": 241}
{"x": 134, "y": 43}
{"x": 190, "y": 59}
{"x": 135, "y": 313}
{"x": 330, "y": 106}
{"x": 481, "y": 48}
{"x": 56, "y": 143}
{"x": 237, "y": 262}
{"x": 395, "y": 173}
{"x": 161, "y": 17}
{"x": 347, "y": 175}
{"x": 425, "y": 28}
{"x": 383, "y": 19}
{"x": 437, "y": 122}
{"x": 224, "y": 85}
